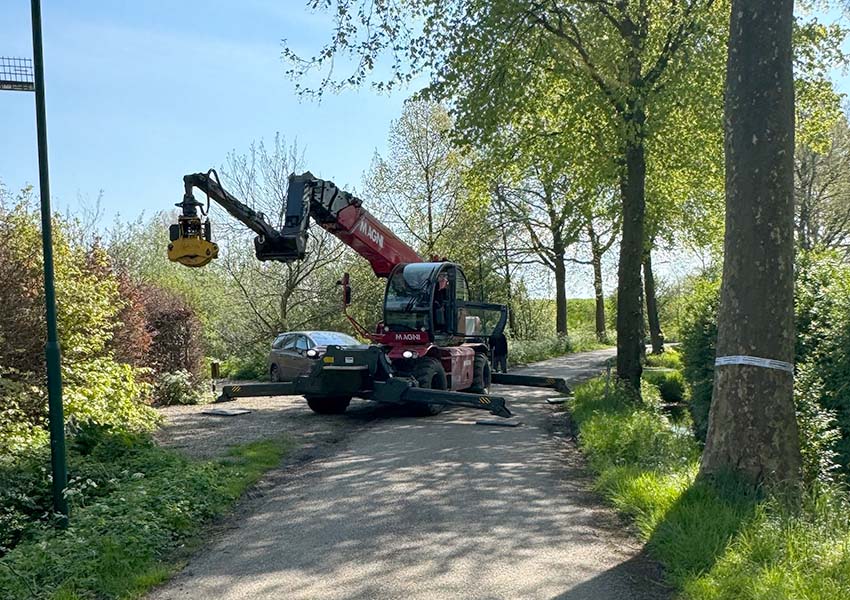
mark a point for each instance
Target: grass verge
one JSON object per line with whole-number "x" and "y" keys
{"x": 717, "y": 539}
{"x": 125, "y": 530}
{"x": 523, "y": 352}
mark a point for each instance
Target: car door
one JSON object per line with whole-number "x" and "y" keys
{"x": 302, "y": 363}
{"x": 276, "y": 355}
{"x": 288, "y": 360}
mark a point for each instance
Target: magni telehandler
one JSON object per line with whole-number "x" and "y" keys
{"x": 431, "y": 348}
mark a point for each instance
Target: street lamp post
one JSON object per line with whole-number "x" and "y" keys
{"x": 25, "y": 75}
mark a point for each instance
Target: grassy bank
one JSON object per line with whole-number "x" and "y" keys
{"x": 133, "y": 506}
{"x": 523, "y": 352}
{"x": 716, "y": 539}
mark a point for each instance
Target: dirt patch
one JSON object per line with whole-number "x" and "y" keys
{"x": 201, "y": 436}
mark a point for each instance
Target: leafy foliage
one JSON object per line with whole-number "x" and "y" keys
{"x": 179, "y": 387}
{"x": 175, "y": 331}
{"x": 132, "y": 504}
{"x": 716, "y": 538}
{"x": 699, "y": 339}
{"x": 97, "y": 389}
{"x": 670, "y": 384}
{"x": 822, "y": 357}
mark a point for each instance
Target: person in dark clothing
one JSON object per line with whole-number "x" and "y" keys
{"x": 499, "y": 352}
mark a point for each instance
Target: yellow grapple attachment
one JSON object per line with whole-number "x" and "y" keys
{"x": 190, "y": 243}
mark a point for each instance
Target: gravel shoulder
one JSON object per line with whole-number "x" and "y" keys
{"x": 380, "y": 505}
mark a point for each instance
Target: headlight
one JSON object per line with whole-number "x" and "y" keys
{"x": 312, "y": 353}
{"x": 409, "y": 354}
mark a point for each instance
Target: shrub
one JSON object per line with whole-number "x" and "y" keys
{"x": 97, "y": 389}
{"x": 669, "y": 359}
{"x": 132, "y": 504}
{"x": 699, "y": 340}
{"x": 818, "y": 426}
{"x": 822, "y": 307}
{"x": 179, "y": 387}
{"x": 176, "y": 332}
{"x": 523, "y": 352}
{"x": 252, "y": 365}
{"x": 671, "y": 384}
{"x": 131, "y": 342}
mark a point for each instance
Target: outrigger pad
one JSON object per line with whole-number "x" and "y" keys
{"x": 558, "y": 384}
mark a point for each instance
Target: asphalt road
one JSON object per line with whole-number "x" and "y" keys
{"x": 405, "y": 507}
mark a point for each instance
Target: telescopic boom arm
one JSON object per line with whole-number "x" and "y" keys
{"x": 336, "y": 211}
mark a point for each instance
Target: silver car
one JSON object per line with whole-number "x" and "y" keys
{"x": 293, "y": 353}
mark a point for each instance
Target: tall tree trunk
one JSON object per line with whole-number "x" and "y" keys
{"x": 655, "y": 334}
{"x": 506, "y": 258}
{"x": 629, "y": 309}
{"x": 599, "y": 294}
{"x": 752, "y": 427}
{"x": 560, "y": 292}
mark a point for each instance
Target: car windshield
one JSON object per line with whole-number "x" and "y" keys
{"x": 326, "y": 338}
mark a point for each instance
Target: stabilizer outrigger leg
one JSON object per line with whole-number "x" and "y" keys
{"x": 401, "y": 391}
{"x": 252, "y": 390}
{"x": 558, "y": 384}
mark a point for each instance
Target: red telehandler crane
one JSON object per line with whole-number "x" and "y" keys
{"x": 430, "y": 349}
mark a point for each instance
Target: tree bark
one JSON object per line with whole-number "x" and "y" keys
{"x": 560, "y": 293}
{"x": 752, "y": 427}
{"x": 599, "y": 294}
{"x": 656, "y": 336}
{"x": 633, "y": 192}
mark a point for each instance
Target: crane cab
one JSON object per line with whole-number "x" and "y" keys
{"x": 431, "y": 300}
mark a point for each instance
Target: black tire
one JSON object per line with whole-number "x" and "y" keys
{"x": 429, "y": 373}
{"x": 328, "y": 405}
{"x": 480, "y": 375}
{"x": 274, "y": 374}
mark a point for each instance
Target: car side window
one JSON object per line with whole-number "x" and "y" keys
{"x": 290, "y": 342}
{"x": 302, "y": 343}
{"x": 279, "y": 341}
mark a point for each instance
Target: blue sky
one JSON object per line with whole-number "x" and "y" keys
{"x": 141, "y": 92}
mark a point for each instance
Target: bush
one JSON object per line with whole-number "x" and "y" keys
{"x": 175, "y": 330}
{"x": 253, "y": 365}
{"x": 523, "y": 352}
{"x": 671, "y": 384}
{"x": 669, "y": 359}
{"x": 132, "y": 503}
{"x": 699, "y": 341}
{"x": 822, "y": 307}
{"x": 97, "y": 388}
{"x": 179, "y": 387}
{"x": 716, "y": 538}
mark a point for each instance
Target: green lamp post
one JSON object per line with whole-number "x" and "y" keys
{"x": 26, "y": 75}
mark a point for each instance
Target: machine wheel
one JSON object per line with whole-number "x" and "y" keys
{"x": 328, "y": 405}
{"x": 429, "y": 373}
{"x": 480, "y": 374}
{"x": 274, "y": 374}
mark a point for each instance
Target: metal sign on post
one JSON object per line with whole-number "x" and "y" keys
{"x": 23, "y": 74}
{"x": 16, "y": 74}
